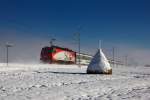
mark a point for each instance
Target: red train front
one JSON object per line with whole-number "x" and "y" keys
{"x": 55, "y": 54}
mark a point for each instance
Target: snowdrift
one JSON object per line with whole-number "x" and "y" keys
{"x": 99, "y": 64}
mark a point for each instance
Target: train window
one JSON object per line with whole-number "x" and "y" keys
{"x": 84, "y": 57}
{"x": 49, "y": 51}
{"x": 52, "y": 50}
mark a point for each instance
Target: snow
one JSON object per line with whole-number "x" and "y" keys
{"x": 69, "y": 82}
{"x": 99, "y": 64}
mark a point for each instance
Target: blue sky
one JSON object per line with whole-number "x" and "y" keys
{"x": 116, "y": 22}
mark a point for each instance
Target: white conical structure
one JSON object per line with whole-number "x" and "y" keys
{"x": 99, "y": 64}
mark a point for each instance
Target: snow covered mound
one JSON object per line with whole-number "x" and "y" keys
{"x": 99, "y": 64}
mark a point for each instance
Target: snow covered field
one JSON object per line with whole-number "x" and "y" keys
{"x": 68, "y": 82}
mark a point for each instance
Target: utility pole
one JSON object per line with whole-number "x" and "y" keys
{"x": 113, "y": 51}
{"x": 78, "y": 39}
{"x": 7, "y": 46}
{"x": 51, "y": 41}
{"x": 0, "y": 54}
{"x": 100, "y": 44}
{"x": 79, "y": 48}
{"x": 126, "y": 60}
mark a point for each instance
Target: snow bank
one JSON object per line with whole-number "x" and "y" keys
{"x": 69, "y": 82}
{"x": 26, "y": 67}
{"x": 99, "y": 64}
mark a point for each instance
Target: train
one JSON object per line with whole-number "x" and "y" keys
{"x": 55, "y": 54}
{"x": 60, "y": 55}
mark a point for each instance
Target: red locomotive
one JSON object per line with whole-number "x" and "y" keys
{"x": 55, "y": 54}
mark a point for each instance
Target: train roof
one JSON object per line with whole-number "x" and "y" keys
{"x": 60, "y": 48}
